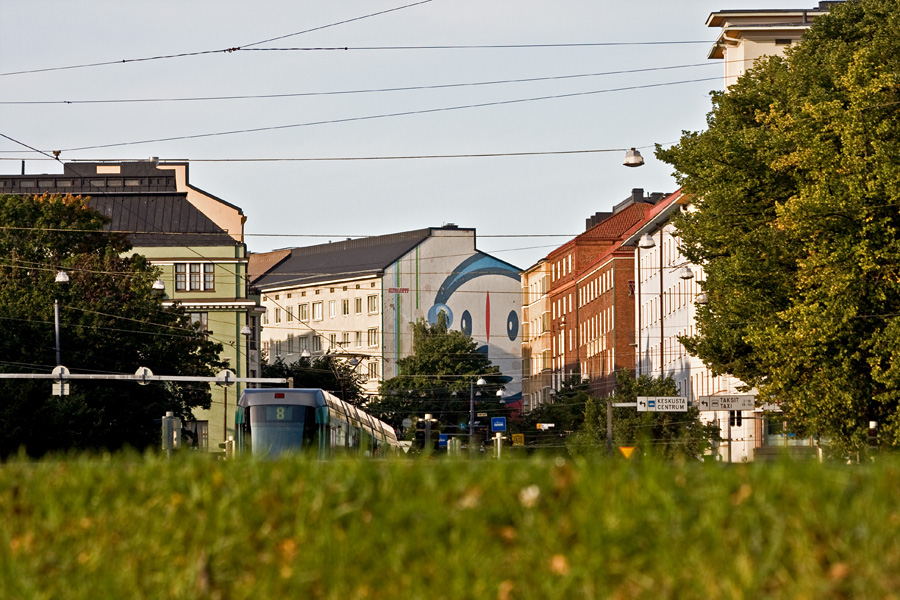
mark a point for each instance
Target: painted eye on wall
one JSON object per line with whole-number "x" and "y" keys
{"x": 512, "y": 325}
{"x": 465, "y": 323}
{"x": 437, "y": 309}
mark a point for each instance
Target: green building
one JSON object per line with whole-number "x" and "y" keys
{"x": 195, "y": 239}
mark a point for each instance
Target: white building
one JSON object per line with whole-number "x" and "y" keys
{"x": 360, "y": 298}
{"x": 667, "y": 291}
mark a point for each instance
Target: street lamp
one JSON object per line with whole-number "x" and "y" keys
{"x": 633, "y": 158}
{"x": 62, "y": 278}
{"x": 159, "y": 286}
{"x": 480, "y": 383}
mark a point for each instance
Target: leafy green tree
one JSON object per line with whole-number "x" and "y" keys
{"x": 328, "y": 372}
{"x": 436, "y": 378}
{"x": 111, "y": 321}
{"x": 668, "y": 435}
{"x": 566, "y": 412}
{"x": 797, "y": 186}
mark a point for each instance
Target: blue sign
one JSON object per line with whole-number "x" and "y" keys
{"x": 442, "y": 440}
{"x": 498, "y": 423}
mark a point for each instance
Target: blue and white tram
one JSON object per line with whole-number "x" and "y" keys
{"x": 271, "y": 421}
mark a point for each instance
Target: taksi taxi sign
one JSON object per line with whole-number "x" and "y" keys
{"x": 662, "y": 404}
{"x": 734, "y": 402}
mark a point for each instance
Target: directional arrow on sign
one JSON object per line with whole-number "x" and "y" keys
{"x": 704, "y": 402}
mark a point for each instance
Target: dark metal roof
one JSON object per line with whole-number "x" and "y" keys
{"x": 362, "y": 257}
{"x": 140, "y": 200}
{"x": 154, "y": 220}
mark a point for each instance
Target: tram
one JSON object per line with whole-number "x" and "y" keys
{"x": 273, "y": 421}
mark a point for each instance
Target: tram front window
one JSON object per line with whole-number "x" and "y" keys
{"x": 276, "y": 429}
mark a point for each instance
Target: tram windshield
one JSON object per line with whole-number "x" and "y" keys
{"x": 279, "y": 428}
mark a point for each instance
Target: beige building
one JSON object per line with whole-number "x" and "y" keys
{"x": 536, "y": 335}
{"x": 746, "y": 35}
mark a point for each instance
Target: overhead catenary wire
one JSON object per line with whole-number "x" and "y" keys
{"x": 353, "y": 92}
{"x": 378, "y": 116}
{"x": 228, "y": 50}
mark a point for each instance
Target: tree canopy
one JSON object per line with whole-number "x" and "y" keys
{"x": 796, "y": 184}
{"x": 436, "y": 379}
{"x": 111, "y": 321}
{"x": 329, "y": 372}
{"x": 668, "y": 435}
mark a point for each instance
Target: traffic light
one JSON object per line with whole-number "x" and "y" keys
{"x": 731, "y": 418}
{"x": 873, "y": 435}
{"x": 738, "y": 414}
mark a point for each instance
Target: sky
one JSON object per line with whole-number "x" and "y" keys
{"x": 543, "y": 83}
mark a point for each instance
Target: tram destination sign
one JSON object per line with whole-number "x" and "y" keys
{"x": 662, "y": 404}
{"x": 735, "y": 402}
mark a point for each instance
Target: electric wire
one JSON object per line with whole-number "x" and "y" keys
{"x": 378, "y": 116}
{"x": 353, "y": 92}
{"x": 218, "y": 51}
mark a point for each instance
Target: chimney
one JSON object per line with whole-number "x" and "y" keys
{"x": 637, "y": 195}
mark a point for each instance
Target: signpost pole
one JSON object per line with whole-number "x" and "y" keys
{"x": 609, "y": 431}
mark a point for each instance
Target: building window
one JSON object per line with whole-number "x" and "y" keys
{"x": 317, "y": 311}
{"x": 345, "y": 339}
{"x": 289, "y": 313}
{"x": 290, "y": 343}
{"x": 277, "y": 348}
{"x": 193, "y": 277}
{"x": 278, "y": 315}
{"x": 372, "y": 370}
{"x": 373, "y": 304}
{"x": 201, "y": 319}
{"x": 198, "y": 436}
{"x": 332, "y": 309}
{"x": 345, "y": 306}
{"x": 358, "y": 302}
{"x": 302, "y": 343}
{"x": 316, "y": 343}
{"x": 359, "y": 339}
{"x": 373, "y": 337}
{"x": 332, "y": 341}
{"x": 303, "y": 312}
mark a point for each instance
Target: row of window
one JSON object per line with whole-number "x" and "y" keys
{"x": 191, "y": 277}
{"x": 561, "y": 268}
{"x": 296, "y": 344}
{"x": 302, "y": 312}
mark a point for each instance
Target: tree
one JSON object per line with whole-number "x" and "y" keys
{"x": 566, "y": 412}
{"x": 797, "y": 184}
{"x": 111, "y": 321}
{"x": 328, "y": 372}
{"x": 667, "y": 435}
{"x": 436, "y": 379}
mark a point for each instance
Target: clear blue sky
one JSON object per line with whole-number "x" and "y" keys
{"x": 514, "y": 202}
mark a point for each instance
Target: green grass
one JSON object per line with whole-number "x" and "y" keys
{"x": 142, "y": 527}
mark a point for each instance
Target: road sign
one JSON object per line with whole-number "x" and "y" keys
{"x": 481, "y": 415}
{"x": 735, "y": 402}
{"x": 626, "y": 451}
{"x": 225, "y": 377}
{"x": 498, "y": 423}
{"x": 442, "y": 440}
{"x": 518, "y": 439}
{"x": 407, "y": 423}
{"x": 545, "y": 426}
{"x": 661, "y": 404}
{"x": 60, "y": 388}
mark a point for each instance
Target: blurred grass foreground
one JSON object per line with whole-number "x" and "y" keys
{"x": 141, "y": 527}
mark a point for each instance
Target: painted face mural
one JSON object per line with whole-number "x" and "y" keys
{"x": 490, "y": 319}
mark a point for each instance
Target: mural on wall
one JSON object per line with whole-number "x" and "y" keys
{"x": 473, "y": 311}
